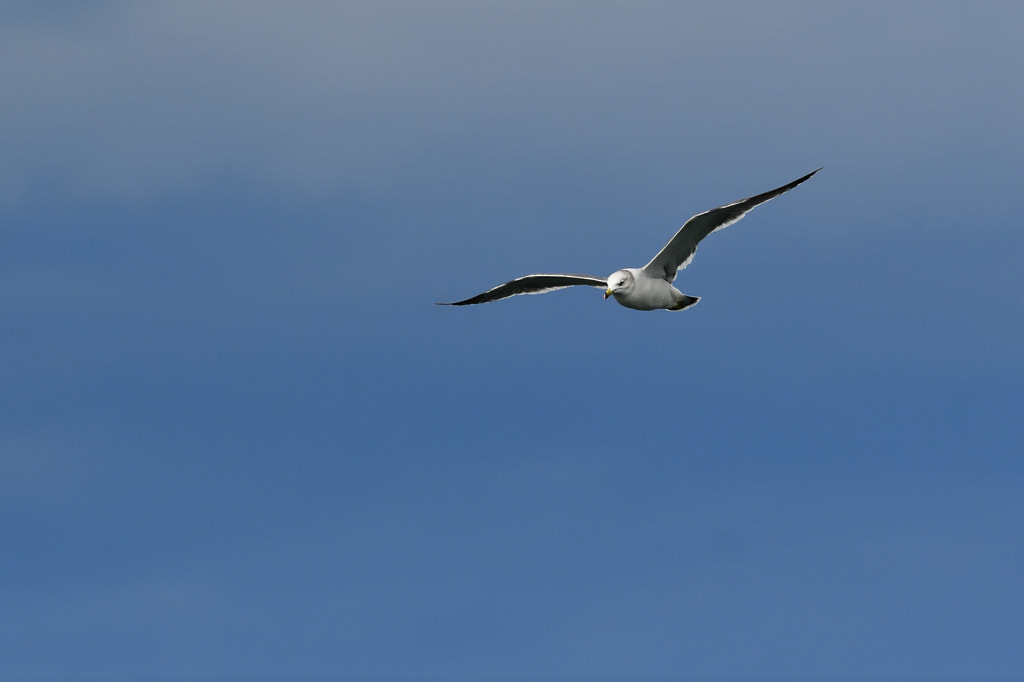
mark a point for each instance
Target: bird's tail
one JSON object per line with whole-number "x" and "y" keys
{"x": 685, "y": 302}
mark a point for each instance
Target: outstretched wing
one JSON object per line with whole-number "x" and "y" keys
{"x": 679, "y": 251}
{"x": 533, "y": 284}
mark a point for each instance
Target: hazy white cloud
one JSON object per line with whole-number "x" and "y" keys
{"x": 139, "y": 100}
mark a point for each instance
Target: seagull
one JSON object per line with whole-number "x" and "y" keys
{"x": 649, "y": 287}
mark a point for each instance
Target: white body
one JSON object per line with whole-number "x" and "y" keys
{"x": 646, "y": 293}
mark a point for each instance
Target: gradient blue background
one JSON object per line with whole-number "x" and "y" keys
{"x": 239, "y": 441}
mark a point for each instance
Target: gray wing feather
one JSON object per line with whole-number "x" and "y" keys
{"x": 679, "y": 251}
{"x": 533, "y": 284}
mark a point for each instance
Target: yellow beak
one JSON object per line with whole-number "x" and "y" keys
{"x": 607, "y": 292}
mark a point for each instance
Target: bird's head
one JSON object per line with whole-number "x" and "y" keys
{"x": 619, "y": 282}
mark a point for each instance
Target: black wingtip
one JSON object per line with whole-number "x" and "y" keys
{"x": 798, "y": 181}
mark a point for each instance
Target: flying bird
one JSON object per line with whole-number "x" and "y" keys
{"x": 649, "y": 287}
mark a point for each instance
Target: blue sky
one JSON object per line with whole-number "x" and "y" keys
{"x": 240, "y": 441}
